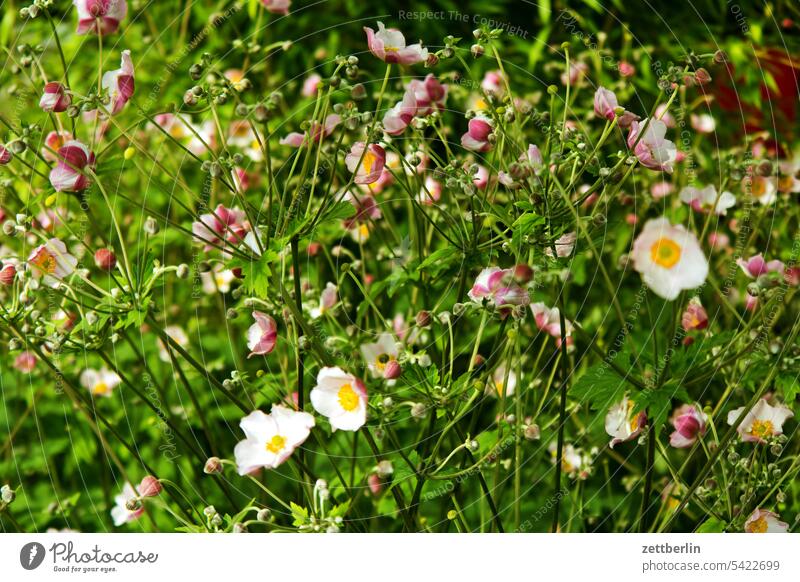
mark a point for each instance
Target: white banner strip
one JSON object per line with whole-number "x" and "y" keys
{"x": 353, "y": 557}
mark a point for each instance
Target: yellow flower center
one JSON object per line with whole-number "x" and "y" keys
{"x": 761, "y": 428}
{"x": 759, "y": 526}
{"x": 368, "y": 162}
{"x": 276, "y": 444}
{"x": 382, "y": 360}
{"x": 758, "y": 188}
{"x": 100, "y": 388}
{"x": 665, "y": 252}
{"x": 480, "y": 104}
{"x": 348, "y": 399}
{"x": 634, "y": 422}
{"x": 45, "y": 262}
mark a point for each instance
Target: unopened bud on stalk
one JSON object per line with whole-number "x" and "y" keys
{"x": 182, "y": 271}
{"x": 392, "y": 370}
{"x": 149, "y": 487}
{"x": 151, "y": 226}
{"x": 418, "y": 411}
{"x": 213, "y": 465}
{"x": 105, "y": 259}
{"x": 423, "y": 318}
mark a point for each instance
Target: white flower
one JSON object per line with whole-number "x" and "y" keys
{"x": 100, "y": 382}
{"x": 120, "y": 512}
{"x": 621, "y": 424}
{"x": 379, "y": 354}
{"x": 763, "y": 521}
{"x": 177, "y": 335}
{"x": 341, "y": 397}
{"x": 270, "y": 438}
{"x": 52, "y": 262}
{"x": 706, "y": 199}
{"x": 669, "y": 258}
{"x": 762, "y": 422}
{"x": 499, "y": 378}
{"x": 217, "y": 280}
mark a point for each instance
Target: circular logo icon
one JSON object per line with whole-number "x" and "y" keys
{"x": 31, "y": 555}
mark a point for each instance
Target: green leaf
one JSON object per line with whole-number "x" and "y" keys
{"x": 600, "y": 386}
{"x": 300, "y": 514}
{"x": 711, "y": 525}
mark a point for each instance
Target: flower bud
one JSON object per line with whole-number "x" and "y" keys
{"x": 149, "y": 487}
{"x": 7, "y": 494}
{"x": 7, "y": 274}
{"x": 105, "y": 259}
{"x": 392, "y": 370}
{"x": 213, "y": 465}
{"x": 423, "y": 318}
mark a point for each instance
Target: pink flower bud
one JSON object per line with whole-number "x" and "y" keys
{"x": 392, "y": 370}
{"x": 213, "y": 465}
{"x": 105, "y": 259}
{"x": 7, "y": 274}
{"x": 54, "y": 98}
{"x": 375, "y": 484}
{"x": 149, "y": 487}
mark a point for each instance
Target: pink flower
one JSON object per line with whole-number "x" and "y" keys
{"x": 605, "y": 102}
{"x": 228, "y": 224}
{"x": 564, "y": 245}
{"x": 389, "y": 45}
{"x": 707, "y": 200}
{"x": 120, "y": 84}
{"x": 54, "y": 141}
{"x": 366, "y": 210}
{"x": 498, "y": 287}
{"x": 262, "y": 335}
{"x": 25, "y": 362}
{"x": 549, "y": 321}
{"x": 695, "y": 316}
{"x": 100, "y": 16}
{"x": 366, "y": 162}
{"x": 653, "y": 149}
{"x": 689, "y": 422}
{"x": 481, "y": 178}
{"x": 493, "y": 82}
{"x": 575, "y": 73}
{"x": 431, "y": 192}
{"x": 756, "y": 266}
{"x": 430, "y": 94}
{"x": 310, "y": 85}
{"x": 277, "y": 6}
{"x": 763, "y": 521}
{"x": 626, "y": 69}
{"x": 661, "y": 189}
{"x": 477, "y": 137}
{"x": 703, "y": 123}
{"x": 398, "y": 117}
{"x": 317, "y": 131}
{"x": 73, "y": 158}
{"x": 55, "y": 98}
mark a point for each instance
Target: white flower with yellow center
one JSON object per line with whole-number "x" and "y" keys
{"x": 763, "y": 521}
{"x": 341, "y": 397}
{"x": 380, "y": 353}
{"x": 762, "y": 422}
{"x": 270, "y": 438}
{"x": 100, "y": 382}
{"x": 622, "y": 424}
{"x": 669, "y": 258}
{"x": 499, "y": 382}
